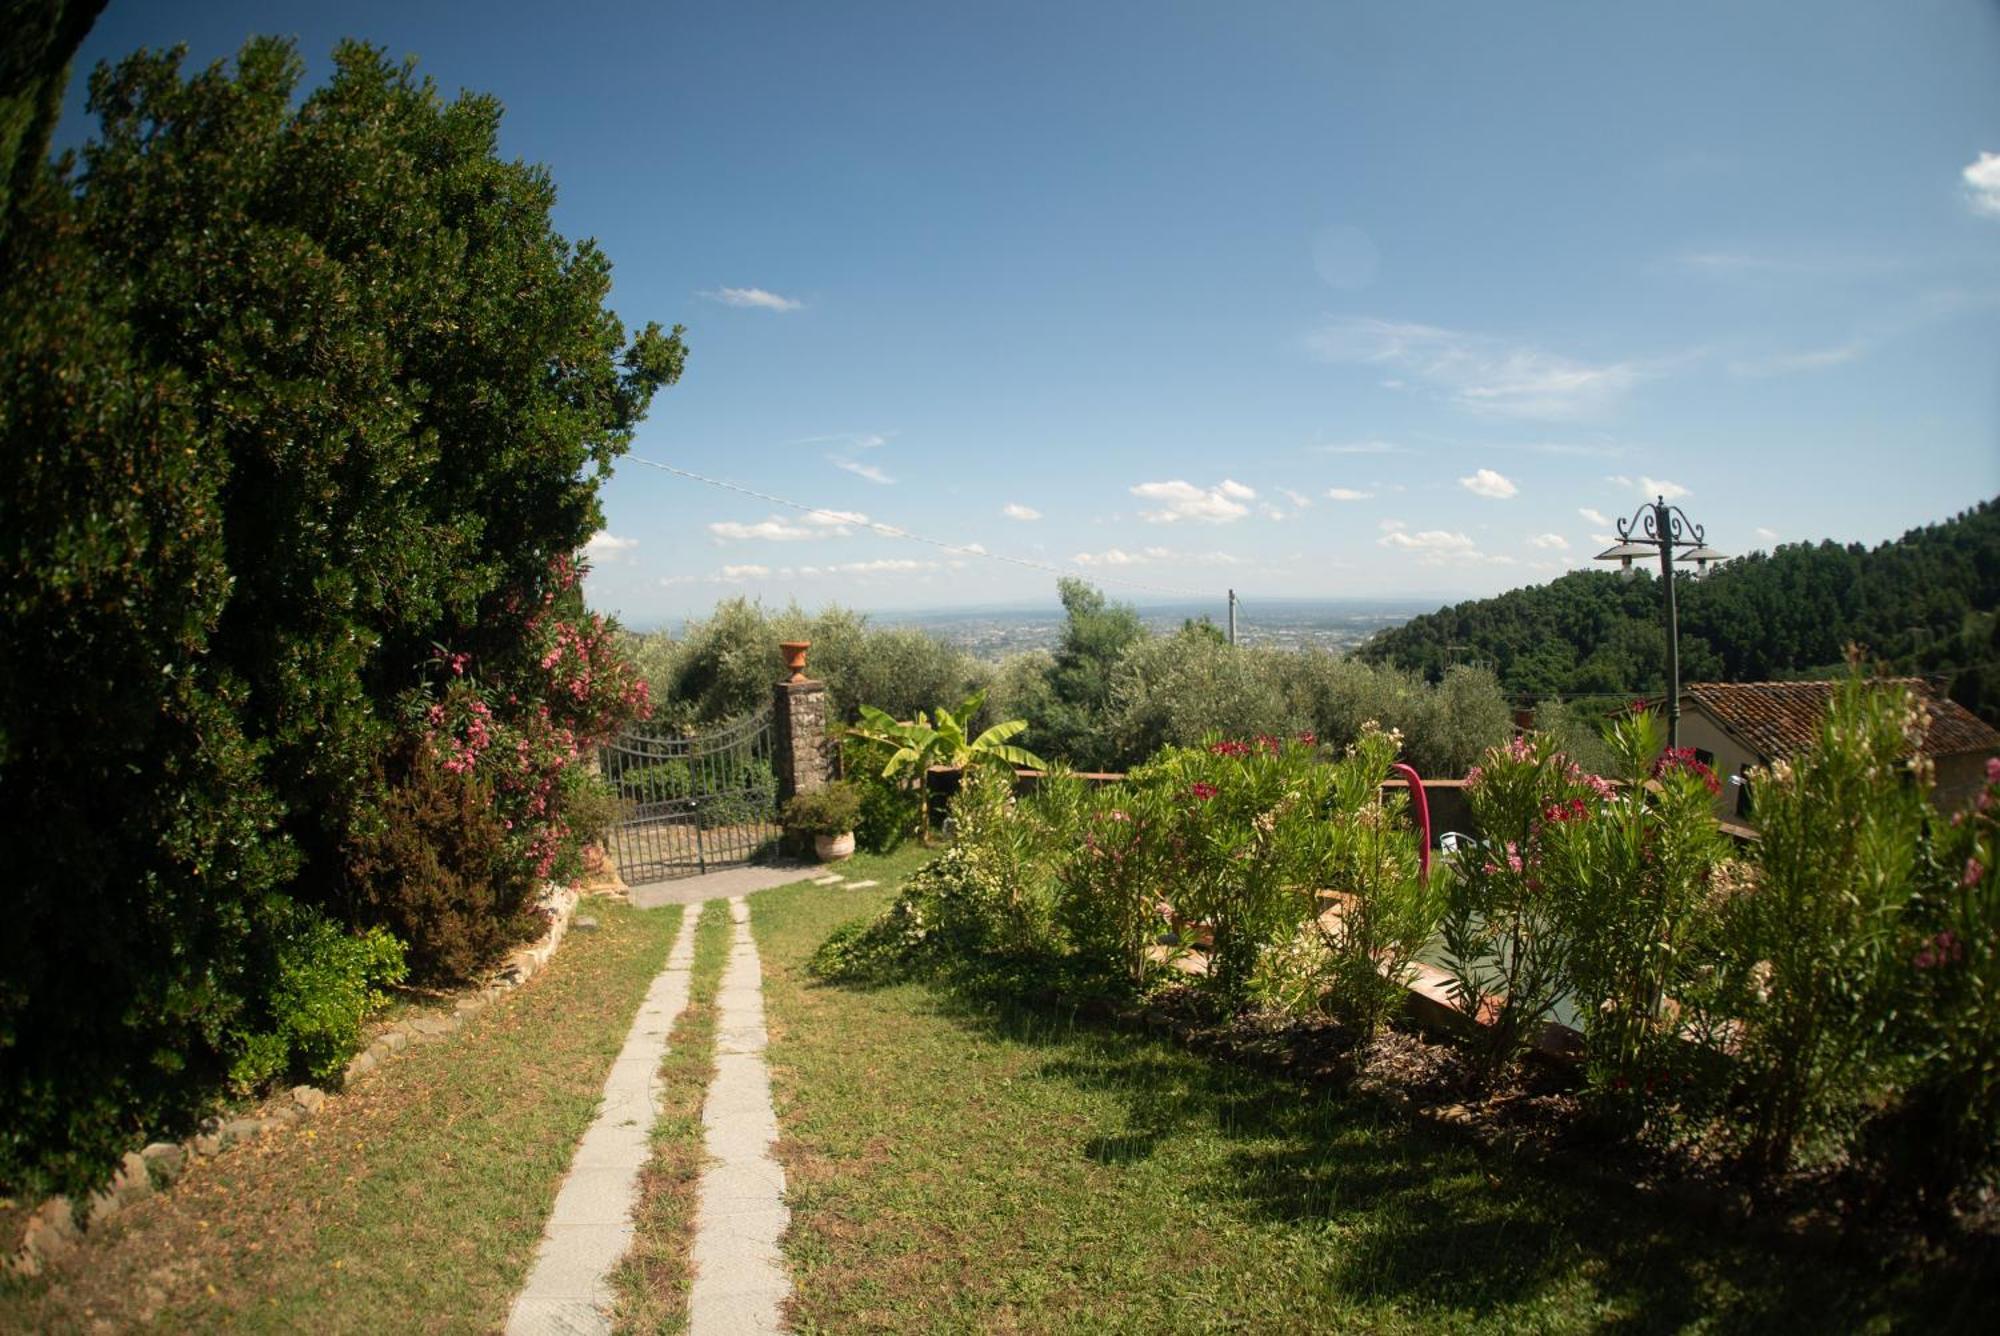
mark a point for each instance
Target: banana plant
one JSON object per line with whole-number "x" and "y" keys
{"x": 917, "y": 746}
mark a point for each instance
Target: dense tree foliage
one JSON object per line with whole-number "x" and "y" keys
{"x": 1925, "y": 602}
{"x": 305, "y": 408}
{"x": 1109, "y": 696}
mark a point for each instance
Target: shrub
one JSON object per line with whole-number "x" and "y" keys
{"x": 945, "y": 916}
{"x": 833, "y": 810}
{"x": 442, "y": 874}
{"x": 324, "y": 983}
{"x": 1942, "y": 1137}
{"x": 1509, "y": 965}
{"x": 1388, "y": 911}
{"x": 1633, "y": 884}
{"x": 1113, "y": 872}
{"x": 1240, "y": 839}
{"x": 1815, "y": 944}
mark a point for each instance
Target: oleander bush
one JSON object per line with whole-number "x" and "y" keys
{"x": 1821, "y": 997}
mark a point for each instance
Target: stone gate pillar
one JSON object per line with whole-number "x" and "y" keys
{"x": 803, "y": 748}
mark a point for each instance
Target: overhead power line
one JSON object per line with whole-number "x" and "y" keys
{"x": 897, "y": 531}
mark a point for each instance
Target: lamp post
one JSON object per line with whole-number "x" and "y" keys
{"x": 1659, "y": 527}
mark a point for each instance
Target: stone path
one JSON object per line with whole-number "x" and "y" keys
{"x": 739, "y": 1275}
{"x": 590, "y": 1229}
{"x": 721, "y": 885}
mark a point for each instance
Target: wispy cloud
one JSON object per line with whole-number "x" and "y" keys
{"x": 752, "y": 298}
{"x": 783, "y": 529}
{"x": 1440, "y": 547}
{"x": 1650, "y": 487}
{"x": 1785, "y": 364}
{"x": 752, "y": 572}
{"x": 860, "y": 470}
{"x": 1347, "y": 494}
{"x": 1361, "y": 448}
{"x": 1014, "y": 510}
{"x": 1479, "y": 373}
{"x": 1177, "y": 500}
{"x": 1982, "y": 184}
{"x": 1768, "y": 535}
{"x": 878, "y": 566}
{"x": 1487, "y": 483}
{"x": 1299, "y": 500}
{"x": 1549, "y": 542}
{"x": 1147, "y": 556}
{"x": 1597, "y": 517}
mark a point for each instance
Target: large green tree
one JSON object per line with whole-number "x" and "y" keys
{"x": 296, "y": 391}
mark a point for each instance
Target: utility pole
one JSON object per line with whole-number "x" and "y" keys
{"x": 1232, "y": 616}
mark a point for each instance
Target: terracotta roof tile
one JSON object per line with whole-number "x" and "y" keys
{"x": 1780, "y": 718}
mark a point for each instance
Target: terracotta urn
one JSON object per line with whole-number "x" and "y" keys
{"x": 795, "y": 657}
{"x": 833, "y": 848}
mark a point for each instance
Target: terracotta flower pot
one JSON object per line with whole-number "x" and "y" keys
{"x": 833, "y": 848}
{"x": 795, "y": 657}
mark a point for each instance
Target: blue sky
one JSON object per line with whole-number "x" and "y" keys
{"x": 1311, "y": 300}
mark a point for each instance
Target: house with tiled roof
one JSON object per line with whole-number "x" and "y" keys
{"x": 1734, "y": 726}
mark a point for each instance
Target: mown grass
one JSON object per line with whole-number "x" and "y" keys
{"x": 652, "y": 1282}
{"x": 956, "y": 1163}
{"x": 413, "y": 1203}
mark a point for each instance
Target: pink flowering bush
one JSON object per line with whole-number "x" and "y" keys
{"x": 1633, "y": 884}
{"x": 1942, "y": 1136}
{"x": 1238, "y": 828}
{"x": 1509, "y": 961}
{"x": 1819, "y": 948}
{"x": 493, "y": 770}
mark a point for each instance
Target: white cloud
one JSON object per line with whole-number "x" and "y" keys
{"x": 1596, "y": 517}
{"x": 1672, "y": 491}
{"x": 756, "y": 298}
{"x": 1479, "y": 373}
{"x": 1784, "y": 364}
{"x": 1391, "y": 526}
{"x": 1298, "y": 499}
{"x": 669, "y": 581}
{"x": 883, "y": 566}
{"x": 1014, "y": 510}
{"x": 1146, "y": 556}
{"x": 1184, "y": 501}
{"x": 606, "y": 547}
{"x": 1489, "y": 484}
{"x": 1982, "y": 183}
{"x": 780, "y": 529}
{"x": 1549, "y": 542}
{"x": 1346, "y": 494}
{"x": 1271, "y": 512}
{"x": 859, "y": 469}
{"x": 1768, "y": 535}
{"x": 1361, "y": 448}
{"x": 744, "y": 572}
{"x": 1439, "y": 547}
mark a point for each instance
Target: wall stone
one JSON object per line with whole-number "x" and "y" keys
{"x": 803, "y": 747}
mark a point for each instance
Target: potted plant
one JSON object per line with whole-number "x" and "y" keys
{"x": 829, "y": 816}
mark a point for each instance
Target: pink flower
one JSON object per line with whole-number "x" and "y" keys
{"x": 1993, "y": 770}
{"x": 1204, "y": 791}
{"x": 1974, "y": 870}
{"x": 1309, "y": 739}
{"x": 1229, "y": 747}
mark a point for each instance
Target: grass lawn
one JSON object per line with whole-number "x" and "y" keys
{"x": 959, "y": 1165}
{"x": 414, "y": 1203}
{"x": 652, "y": 1282}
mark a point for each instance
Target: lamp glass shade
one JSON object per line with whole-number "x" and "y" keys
{"x": 1704, "y": 553}
{"x": 1626, "y": 551}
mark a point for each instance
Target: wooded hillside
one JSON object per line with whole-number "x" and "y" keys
{"x": 1925, "y": 603}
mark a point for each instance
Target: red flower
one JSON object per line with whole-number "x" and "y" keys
{"x": 1204, "y": 791}
{"x": 1229, "y": 747}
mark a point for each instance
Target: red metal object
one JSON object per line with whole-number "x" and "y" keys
{"x": 1423, "y": 816}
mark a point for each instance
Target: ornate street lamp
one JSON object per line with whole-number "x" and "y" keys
{"x": 1659, "y": 527}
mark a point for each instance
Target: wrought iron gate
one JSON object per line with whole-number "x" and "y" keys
{"x": 692, "y": 802}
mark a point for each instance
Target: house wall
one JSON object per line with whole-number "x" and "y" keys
{"x": 1959, "y": 780}
{"x": 1700, "y": 731}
